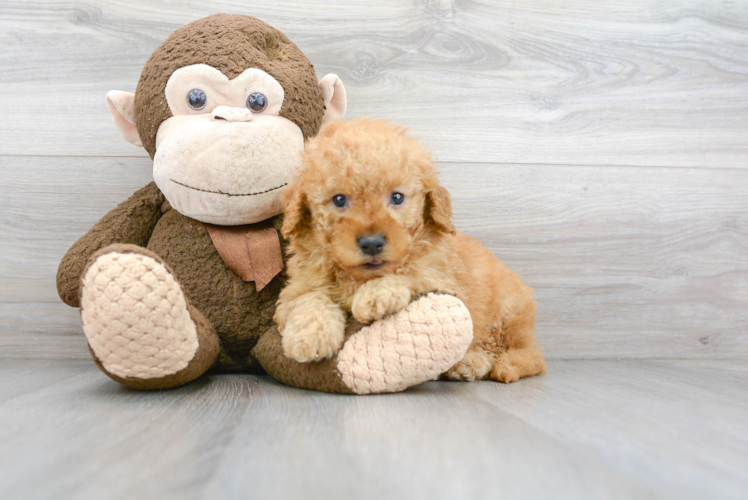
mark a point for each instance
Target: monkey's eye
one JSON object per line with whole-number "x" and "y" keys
{"x": 197, "y": 99}
{"x": 397, "y": 198}
{"x": 339, "y": 200}
{"x": 257, "y": 102}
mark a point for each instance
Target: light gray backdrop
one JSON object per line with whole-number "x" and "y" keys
{"x": 599, "y": 150}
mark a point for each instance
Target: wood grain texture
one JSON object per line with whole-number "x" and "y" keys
{"x": 428, "y": 443}
{"x": 112, "y": 442}
{"x": 632, "y": 262}
{"x": 660, "y": 422}
{"x": 587, "y": 430}
{"x": 41, "y": 330}
{"x": 598, "y": 148}
{"x": 625, "y": 262}
{"x": 23, "y": 376}
{"x": 595, "y": 83}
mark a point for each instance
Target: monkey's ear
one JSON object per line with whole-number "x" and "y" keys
{"x": 122, "y": 107}
{"x": 333, "y": 93}
{"x": 296, "y": 213}
{"x": 438, "y": 211}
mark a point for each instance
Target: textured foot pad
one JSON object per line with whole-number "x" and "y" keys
{"x": 135, "y": 317}
{"x": 412, "y": 346}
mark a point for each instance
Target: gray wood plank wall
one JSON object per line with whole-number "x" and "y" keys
{"x": 599, "y": 148}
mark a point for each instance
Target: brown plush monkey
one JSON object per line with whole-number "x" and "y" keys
{"x": 183, "y": 277}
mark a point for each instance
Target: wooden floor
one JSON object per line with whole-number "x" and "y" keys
{"x": 589, "y": 429}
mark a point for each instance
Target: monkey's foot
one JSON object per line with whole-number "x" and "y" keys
{"x": 140, "y": 328}
{"x": 412, "y": 346}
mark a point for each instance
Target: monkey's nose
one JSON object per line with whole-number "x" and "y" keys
{"x": 371, "y": 244}
{"x": 232, "y": 114}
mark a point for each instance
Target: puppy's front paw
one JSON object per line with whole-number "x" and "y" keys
{"x": 309, "y": 344}
{"x": 314, "y": 331}
{"x": 375, "y": 300}
{"x": 476, "y": 365}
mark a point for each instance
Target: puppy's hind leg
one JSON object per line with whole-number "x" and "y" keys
{"x": 514, "y": 364}
{"x": 520, "y": 355}
{"x": 476, "y": 365}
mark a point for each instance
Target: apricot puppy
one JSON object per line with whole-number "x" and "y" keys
{"x": 369, "y": 229}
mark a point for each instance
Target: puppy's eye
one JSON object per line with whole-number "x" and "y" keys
{"x": 339, "y": 200}
{"x": 397, "y": 198}
{"x": 197, "y": 99}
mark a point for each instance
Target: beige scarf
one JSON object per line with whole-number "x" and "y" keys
{"x": 252, "y": 251}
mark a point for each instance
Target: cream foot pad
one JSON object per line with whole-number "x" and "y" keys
{"x": 434, "y": 335}
{"x": 135, "y": 317}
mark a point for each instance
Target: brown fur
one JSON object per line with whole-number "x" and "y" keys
{"x": 238, "y": 313}
{"x": 367, "y": 160}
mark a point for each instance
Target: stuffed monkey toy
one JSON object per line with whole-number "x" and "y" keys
{"x": 183, "y": 277}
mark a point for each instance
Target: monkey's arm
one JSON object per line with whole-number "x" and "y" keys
{"x": 132, "y": 221}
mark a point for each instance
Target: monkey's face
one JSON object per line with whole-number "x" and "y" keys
{"x": 225, "y": 154}
{"x": 223, "y": 107}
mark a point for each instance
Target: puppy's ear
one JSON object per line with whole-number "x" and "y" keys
{"x": 296, "y": 211}
{"x": 438, "y": 210}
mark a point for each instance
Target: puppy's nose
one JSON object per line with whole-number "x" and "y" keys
{"x": 371, "y": 244}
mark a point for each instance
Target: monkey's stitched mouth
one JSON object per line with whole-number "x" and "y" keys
{"x": 230, "y": 194}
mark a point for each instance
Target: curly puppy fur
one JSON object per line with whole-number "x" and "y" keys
{"x": 331, "y": 274}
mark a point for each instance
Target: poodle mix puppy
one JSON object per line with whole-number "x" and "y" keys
{"x": 370, "y": 228}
